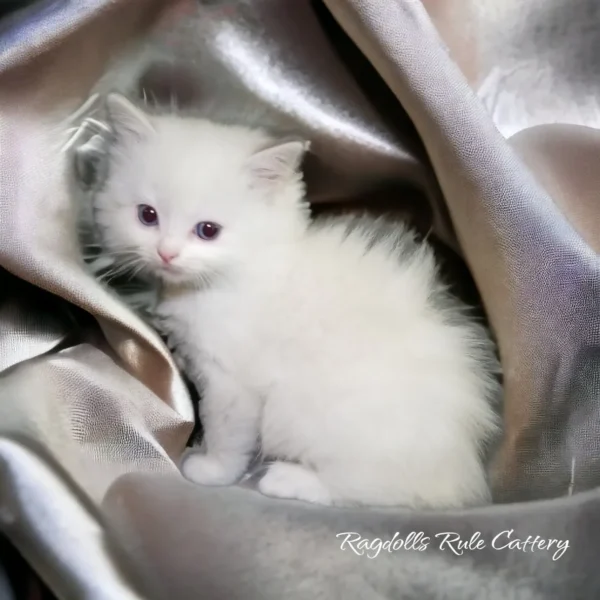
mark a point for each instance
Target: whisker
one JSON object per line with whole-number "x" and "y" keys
{"x": 98, "y": 125}
{"x": 71, "y": 130}
{"x": 84, "y": 108}
{"x": 99, "y": 253}
{"x": 81, "y": 131}
{"x": 118, "y": 270}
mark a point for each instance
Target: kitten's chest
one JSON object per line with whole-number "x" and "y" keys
{"x": 227, "y": 328}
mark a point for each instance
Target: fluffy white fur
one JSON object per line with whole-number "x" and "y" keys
{"x": 337, "y": 353}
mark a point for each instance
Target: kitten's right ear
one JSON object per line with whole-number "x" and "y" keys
{"x": 126, "y": 118}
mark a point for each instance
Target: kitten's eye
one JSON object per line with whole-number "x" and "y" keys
{"x": 207, "y": 230}
{"x": 147, "y": 215}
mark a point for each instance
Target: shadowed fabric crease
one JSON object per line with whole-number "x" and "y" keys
{"x": 476, "y": 120}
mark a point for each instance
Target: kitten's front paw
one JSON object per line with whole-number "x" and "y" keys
{"x": 208, "y": 470}
{"x": 294, "y": 482}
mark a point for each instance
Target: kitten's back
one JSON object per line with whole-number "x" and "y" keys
{"x": 373, "y": 372}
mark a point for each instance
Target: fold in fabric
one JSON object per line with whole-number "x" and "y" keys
{"x": 237, "y": 544}
{"x": 539, "y": 280}
{"x": 72, "y": 551}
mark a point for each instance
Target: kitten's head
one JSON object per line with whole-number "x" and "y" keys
{"x": 187, "y": 198}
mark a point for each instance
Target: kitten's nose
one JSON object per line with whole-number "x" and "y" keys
{"x": 167, "y": 256}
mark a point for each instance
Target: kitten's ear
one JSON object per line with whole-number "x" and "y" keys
{"x": 126, "y": 118}
{"x": 277, "y": 163}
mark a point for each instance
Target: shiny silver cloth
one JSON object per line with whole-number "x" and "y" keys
{"x": 491, "y": 106}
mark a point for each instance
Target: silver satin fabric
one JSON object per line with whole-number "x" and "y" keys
{"x": 481, "y": 117}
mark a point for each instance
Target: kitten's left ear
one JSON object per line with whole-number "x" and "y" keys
{"x": 278, "y": 163}
{"x": 126, "y": 118}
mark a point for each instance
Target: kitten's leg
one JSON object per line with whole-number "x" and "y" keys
{"x": 293, "y": 481}
{"x": 230, "y": 418}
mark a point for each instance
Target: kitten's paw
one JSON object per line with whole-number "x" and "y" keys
{"x": 295, "y": 482}
{"x": 209, "y": 470}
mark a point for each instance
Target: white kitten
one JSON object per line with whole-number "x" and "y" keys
{"x": 340, "y": 355}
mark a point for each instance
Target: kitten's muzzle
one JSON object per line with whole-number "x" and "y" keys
{"x": 166, "y": 256}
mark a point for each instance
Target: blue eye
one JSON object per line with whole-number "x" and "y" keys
{"x": 207, "y": 230}
{"x": 147, "y": 215}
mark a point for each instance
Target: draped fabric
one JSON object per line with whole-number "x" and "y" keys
{"x": 476, "y": 119}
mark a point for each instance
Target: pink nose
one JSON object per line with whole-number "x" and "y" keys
{"x": 167, "y": 256}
